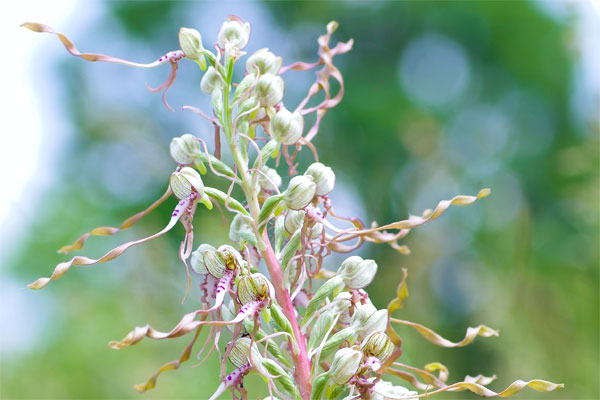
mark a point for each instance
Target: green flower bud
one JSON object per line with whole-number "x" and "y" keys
{"x": 378, "y": 345}
{"x": 286, "y": 127}
{"x": 265, "y": 61}
{"x": 323, "y": 176}
{"x": 186, "y": 181}
{"x": 233, "y": 34}
{"x": 197, "y": 261}
{"x": 255, "y": 287}
{"x": 185, "y": 149}
{"x": 294, "y": 220}
{"x": 242, "y": 351}
{"x": 368, "y": 319}
{"x": 241, "y": 228}
{"x": 213, "y": 262}
{"x": 190, "y": 42}
{"x": 300, "y": 192}
{"x": 272, "y": 183}
{"x": 269, "y": 89}
{"x": 211, "y": 81}
{"x": 344, "y": 365}
{"x": 357, "y": 273}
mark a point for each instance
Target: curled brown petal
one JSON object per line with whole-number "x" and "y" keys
{"x": 36, "y": 27}
{"x": 109, "y": 231}
{"x": 434, "y": 338}
{"x": 171, "y": 365}
{"x": 63, "y": 267}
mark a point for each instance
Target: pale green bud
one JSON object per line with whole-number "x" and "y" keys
{"x": 344, "y": 365}
{"x": 233, "y": 34}
{"x": 241, "y": 228}
{"x": 269, "y": 89}
{"x": 241, "y": 352}
{"x": 300, "y": 192}
{"x": 272, "y": 183}
{"x": 211, "y": 81}
{"x": 265, "y": 61}
{"x": 357, "y": 273}
{"x": 368, "y": 319}
{"x": 186, "y": 181}
{"x": 190, "y": 42}
{"x": 286, "y": 127}
{"x": 255, "y": 287}
{"x": 377, "y": 345}
{"x": 197, "y": 261}
{"x": 294, "y": 220}
{"x": 185, "y": 149}
{"x": 211, "y": 260}
{"x": 323, "y": 176}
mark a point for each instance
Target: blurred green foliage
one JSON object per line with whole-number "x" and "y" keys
{"x": 524, "y": 261}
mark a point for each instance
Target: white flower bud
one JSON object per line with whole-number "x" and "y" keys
{"x": 197, "y": 262}
{"x": 190, "y": 42}
{"x": 384, "y": 390}
{"x": 357, "y": 273}
{"x": 300, "y": 192}
{"x": 367, "y": 319}
{"x": 294, "y": 220}
{"x": 265, "y": 61}
{"x": 240, "y": 228}
{"x": 272, "y": 183}
{"x": 185, "y": 149}
{"x": 377, "y": 345}
{"x": 269, "y": 89}
{"x": 211, "y": 81}
{"x": 324, "y": 178}
{"x": 233, "y": 34}
{"x": 186, "y": 181}
{"x": 286, "y": 127}
{"x": 255, "y": 287}
{"x": 344, "y": 365}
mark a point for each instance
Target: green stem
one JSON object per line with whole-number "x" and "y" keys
{"x": 301, "y": 361}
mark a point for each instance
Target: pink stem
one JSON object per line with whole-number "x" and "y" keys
{"x": 301, "y": 361}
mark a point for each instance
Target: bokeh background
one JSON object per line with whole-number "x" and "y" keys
{"x": 441, "y": 99}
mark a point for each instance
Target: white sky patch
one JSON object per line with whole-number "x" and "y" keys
{"x": 26, "y": 147}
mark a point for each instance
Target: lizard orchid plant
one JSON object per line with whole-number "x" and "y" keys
{"x": 312, "y": 333}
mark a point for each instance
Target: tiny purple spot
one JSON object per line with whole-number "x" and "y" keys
{"x": 228, "y": 378}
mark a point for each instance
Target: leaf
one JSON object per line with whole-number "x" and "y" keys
{"x": 283, "y": 378}
{"x": 434, "y": 338}
{"x": 222, "y": 197}
{"x": 267, "y": 209}
{"x": 290, "y": 249}
{"x": 267, "y": 151}
{"x": 217, "y": 164}
{"x": 323, "y": 292}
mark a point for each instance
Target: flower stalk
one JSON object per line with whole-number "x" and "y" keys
{"x": 340, "y": 345}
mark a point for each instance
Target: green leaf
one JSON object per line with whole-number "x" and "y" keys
{"x": 267, "y": 209}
